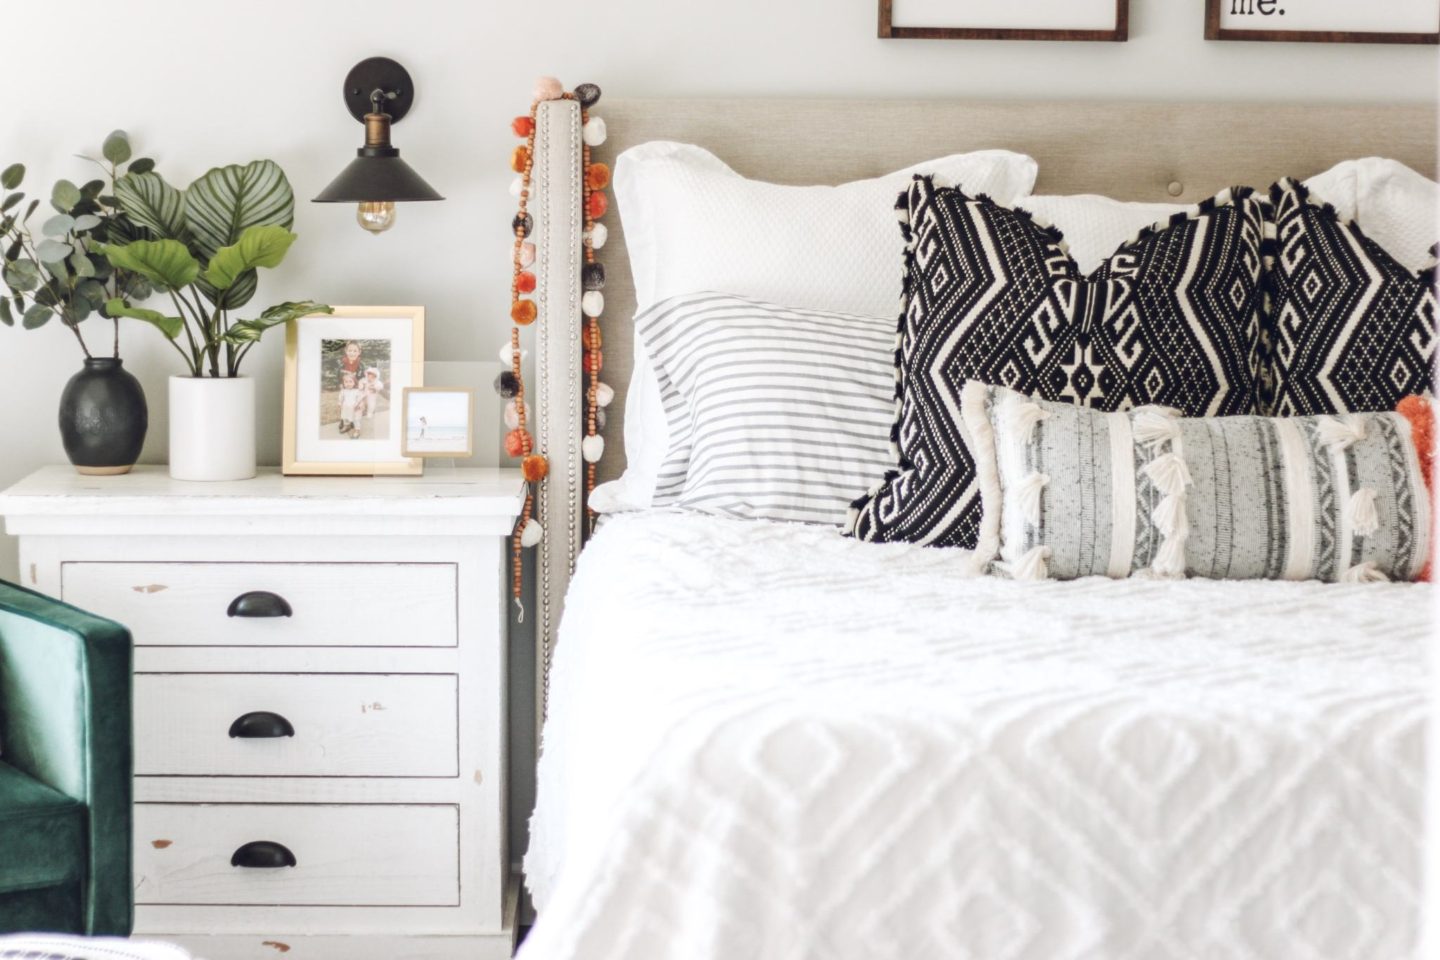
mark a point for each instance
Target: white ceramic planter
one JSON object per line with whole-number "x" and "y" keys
{"x": 212, "y": 428}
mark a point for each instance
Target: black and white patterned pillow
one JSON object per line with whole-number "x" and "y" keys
{"x": 1171, "y": 318}
{"x": 1348, "y": 330}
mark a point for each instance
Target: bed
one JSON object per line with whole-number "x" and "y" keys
{"x": 764, "y": 740}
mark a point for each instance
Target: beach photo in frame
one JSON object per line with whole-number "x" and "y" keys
{"x": 1005, "y": 20}
{"x": 439, "y": 422}
{"x": 1323, "y": 21}
{"x": 346, "y": 374}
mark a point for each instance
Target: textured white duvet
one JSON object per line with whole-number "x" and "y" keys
{"x": 766, "y": 741}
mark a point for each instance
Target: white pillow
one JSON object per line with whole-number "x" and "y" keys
{"x": 1392, "y": 204}
{"x": 1096, "y": 226}
{"x": 693, "y": 224}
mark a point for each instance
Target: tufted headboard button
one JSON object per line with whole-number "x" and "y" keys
{"x": 1175, "y": 188}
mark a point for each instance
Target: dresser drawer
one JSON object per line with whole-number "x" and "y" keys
{"x": 343, "y": 854}
{"x": 295, "y": 725}
{"x": 284, "y": 604}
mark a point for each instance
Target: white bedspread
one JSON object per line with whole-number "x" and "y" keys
{"x": 766, "y": 741}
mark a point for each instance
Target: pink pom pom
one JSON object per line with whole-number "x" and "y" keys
{"x": 548, "y": 88}
{"x": 527, "y": 253}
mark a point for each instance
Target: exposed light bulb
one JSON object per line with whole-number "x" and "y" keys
{"x": 377, "y": 217}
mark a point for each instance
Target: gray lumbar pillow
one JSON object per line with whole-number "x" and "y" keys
{"x": 1075, "y": 492}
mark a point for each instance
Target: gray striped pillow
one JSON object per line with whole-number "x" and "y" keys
{"x": 1145, "y": 491}
{"x": 774, "y": 413}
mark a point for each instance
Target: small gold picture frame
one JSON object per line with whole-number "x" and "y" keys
{"x": 345, "y": 376}
{"x": 438, "y": 422}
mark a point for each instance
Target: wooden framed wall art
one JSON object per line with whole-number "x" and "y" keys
{"x": 1324, "y": 21}
{"x": 1005, "y": 19}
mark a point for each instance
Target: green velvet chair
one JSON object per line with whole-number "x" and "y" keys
{"x": 64, "y": 768}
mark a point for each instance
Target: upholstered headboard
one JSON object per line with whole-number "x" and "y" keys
{"x": 1165, "y": 152}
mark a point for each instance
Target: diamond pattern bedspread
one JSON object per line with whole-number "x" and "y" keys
{"x": 766, "y": 741}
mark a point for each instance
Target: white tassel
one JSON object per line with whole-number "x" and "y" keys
{"x": 592, "y": 304}
{"x": 1152, "y": 425}
{"x": 1169, "y": 516}
{"x": 507, "y": 354}
{"x": 592, "y": 448}
{"x": 1029, "y": 492}
{"x": 1364, "y": 518}
{"x": 1338, "y": 434}
{"x": 1170, "y": 558}
{"x": 1169, "y": 473}
{"x": 604, "y": 393}
{"x": 852, "y": 517}
{"x": 1032, "y": 566}
{"x": 531, "y": 533}
{"x": 597, "y": 235}
{"x": 1023, "y": 418}
{"x": 1366, "y": 572}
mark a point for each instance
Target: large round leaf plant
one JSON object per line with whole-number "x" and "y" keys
{"x": 204, "y": 246}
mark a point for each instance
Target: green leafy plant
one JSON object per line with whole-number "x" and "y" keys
{"x": 61, "y": 272}
{"x": 204, "y": 247}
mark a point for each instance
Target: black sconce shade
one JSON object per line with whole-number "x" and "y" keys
{"x": 370, "y": 179}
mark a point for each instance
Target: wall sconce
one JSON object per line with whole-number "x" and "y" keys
{"x": 378, "y": 92}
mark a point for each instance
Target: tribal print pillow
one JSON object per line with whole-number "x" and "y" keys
{"x": 1172, "y": 317}
{"x": 1349, "y": 328}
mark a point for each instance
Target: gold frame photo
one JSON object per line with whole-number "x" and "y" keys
{"x": 345, "y": 378}
{"x": 457, "y": 452}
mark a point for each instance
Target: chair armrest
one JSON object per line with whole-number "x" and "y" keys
{"x": 65, "y": 695}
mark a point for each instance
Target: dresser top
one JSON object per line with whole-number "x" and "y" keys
{"x": 149, "y": 491}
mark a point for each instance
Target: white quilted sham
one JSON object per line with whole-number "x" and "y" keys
{"x": 766, "y": 741}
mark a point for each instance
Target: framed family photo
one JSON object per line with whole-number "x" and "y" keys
{"x": 439, "y": 422}
{"x": 1324, "y": 21}
{"x": 1005, "y": 19}
{"x": 346, "y": 374}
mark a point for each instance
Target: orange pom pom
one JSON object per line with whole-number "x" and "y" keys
{"x": 593, "y": 361}
{"x": 523, "y": 126}
{"x": 520, "y": 159}
{"x": 525, "y": 282}
{"x": 598, "y": 205}
{"x": 597, "y": 176}
{"x": 516, "y": 443}
{"x": 1421, "y": 415}
{"x": 534, "y": 468}
{"x": 523, "y": 312}
{"x": 590, "y": 338}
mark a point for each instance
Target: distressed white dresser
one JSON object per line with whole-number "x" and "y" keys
{"x": 319, "y": 701}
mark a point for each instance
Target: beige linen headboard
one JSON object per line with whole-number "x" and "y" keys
{"x": 1165, "y": 152}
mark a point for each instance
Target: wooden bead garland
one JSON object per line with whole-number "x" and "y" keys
{"x": 511, "y": 385}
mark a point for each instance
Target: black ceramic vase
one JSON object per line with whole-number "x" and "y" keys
{"x": 103, "y": 418}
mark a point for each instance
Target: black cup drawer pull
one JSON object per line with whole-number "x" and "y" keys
{"x": 262, "y": 854}
{"x": 261, "y": 725}
{"x": 260, "y": 603}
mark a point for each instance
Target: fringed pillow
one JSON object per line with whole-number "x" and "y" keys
{"x": 1348, "y": 328}
{"x": 1147, "y": 492}
{"x": 1171, "y": 317}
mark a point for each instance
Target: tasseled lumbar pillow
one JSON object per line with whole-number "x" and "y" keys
{"x": 1147, "y": 492}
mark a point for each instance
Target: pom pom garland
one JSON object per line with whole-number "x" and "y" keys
{"x": 510, "y": 384}
{"x": 507, "y": 353}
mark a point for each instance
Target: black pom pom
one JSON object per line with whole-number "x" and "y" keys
{"x": 593, "y": 276}
{"x": 588, "y": 94}
{"x": 523, "y": 221}
{"x": 507, "y": 385}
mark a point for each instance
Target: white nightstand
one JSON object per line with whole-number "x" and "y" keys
{"x": 319, "y": 679}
